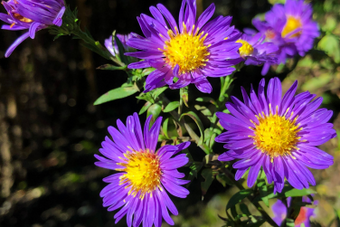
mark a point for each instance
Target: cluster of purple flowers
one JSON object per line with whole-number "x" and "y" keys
{"x": 268, "y": 131}
{"x": 290, "y": 27}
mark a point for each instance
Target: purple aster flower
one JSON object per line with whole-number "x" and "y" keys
{"x": 123, "y": 39}
{"x": 255, "y": 51}
{"x": 290, "y": 27}
{"x": 187, "y": 52}
{"x": 278, "y": 134}
{"x": 33, "y": 15}
{"x": 144, "y": 175}
{"x": 280, "y": 212}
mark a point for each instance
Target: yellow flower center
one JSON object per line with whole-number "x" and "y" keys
{"x": 246, "y": 49}
{"x": 143, "y": 172}
{"x": 20, "y": 18}
{"x": 186, "y": 49}
{"x": 275, "y": 135}
{"x": 291, "y": 25}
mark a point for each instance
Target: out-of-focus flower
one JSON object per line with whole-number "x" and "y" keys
{"x": 278, "y": 134}
{"x": 187, "y": 52}
{"x": 255, "y": 51}
{"x": 33, "y": 15}
{"x": 280, "y": 212}
{"x": 144, "y": 175}
{"x": 123, "y": 39}
{"x": 290, "y": 27}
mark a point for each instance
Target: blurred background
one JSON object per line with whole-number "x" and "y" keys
{"x": 50, "y": 130}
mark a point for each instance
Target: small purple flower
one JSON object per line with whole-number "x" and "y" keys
{"x": 280, "y": 212}
{"x": 123, "y": 39}
{"x": 290, "y": 27}
{"x": 33, "y": 15}
{"x": 255, "y": 51}
{"x": 185, "y": 52}
{"x": 278, "y": 134}
{"x": 144, "y": 175}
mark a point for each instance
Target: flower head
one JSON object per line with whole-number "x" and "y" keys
{"x": 280, "y": 212}
{"x": 255, "y": 51}
{"x": 33, "y": 15}
{"x": 290, "y": 27}
{"x": 278, "y": 134}
{"x": 187, "y": 52}
{"x": 123, "y": 39}
{"x": 144, "y": 175}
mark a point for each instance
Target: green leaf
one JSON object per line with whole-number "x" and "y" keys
{"x": 238, "y": 197}
{"x": 117, "y": 93}
{"x": 144, "y": 108}
{"x": 165, "y": 127}
{"x": 244, "y": 209}
{"x": 184, "y": 95}
{"x": 263, "y": 193}
{"x": 330, "y": 44}
{"x": 330, "y": 24}
{"x": 121, "y": 50}
{"x": 204, "y": 110}
{"x": 208, "y": 176}
{"x": 223, "y": 179}
{"x": 298, "y": 193}
{"x": 288, "y": 223}
{"x": 206, "y": 99}
{"x": 195, "y": 168}
{"x": 154, "y": 110}
{"x": 111, "y": 67}
{"x": 198, "y": 122}
{"x": 257, "y": 224}
{"x": 156, "y": 92}
{"x": 171, "y": 106}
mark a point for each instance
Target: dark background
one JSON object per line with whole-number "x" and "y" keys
{"x": 49, "y": 129}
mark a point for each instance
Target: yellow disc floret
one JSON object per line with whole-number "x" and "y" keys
{"x": 143, "y": 172}
{"x": 246, "y": 49}
{"x": 186, "y": 49}
{"x": 21, "y": 18}
{"x": 275, "y": 135}
{"x": 291, "y": 25}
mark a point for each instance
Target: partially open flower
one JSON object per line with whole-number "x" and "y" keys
{"x": 255, "y": 50}
{"x": 33, "y": 15}
{"x": 113, "y": 49}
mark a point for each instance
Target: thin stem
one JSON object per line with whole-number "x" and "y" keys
{"x": 251, "y": 199}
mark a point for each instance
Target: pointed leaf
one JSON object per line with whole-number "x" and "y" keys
{"x": 296, "y": 192}
{"x": 121, "y": 50}
{"x": 208, "y": 176}
{"x": 171, "y": 106}
{"x": 144, "y": 108}
{"x": 117, "y": 93}
{"x": 111, "y": 67}
{"x": 198, "y": 122}
{"x": 238, "y": 197}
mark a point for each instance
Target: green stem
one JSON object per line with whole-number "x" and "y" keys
{"x": 250, "y": 198}
{"x": 95, "y": 45}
